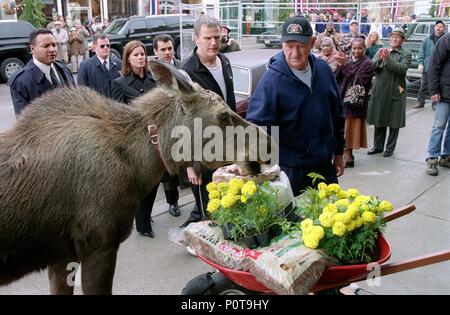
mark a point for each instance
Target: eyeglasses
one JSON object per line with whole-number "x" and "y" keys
{"x": 104, "y": 45}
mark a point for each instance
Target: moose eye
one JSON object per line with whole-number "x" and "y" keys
{"x": 224, "y": 119}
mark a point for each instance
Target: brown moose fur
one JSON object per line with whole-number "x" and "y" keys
{"x": 74, "y": 168}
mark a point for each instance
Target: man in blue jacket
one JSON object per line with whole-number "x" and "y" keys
{"x": 41, "y": 74}
{"x": 100, "y": 70}
{"x": 299, "y": 94}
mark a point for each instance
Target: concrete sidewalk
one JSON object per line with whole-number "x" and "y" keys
{"x": 158, "y": 266}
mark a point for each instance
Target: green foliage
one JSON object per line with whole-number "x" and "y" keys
{"x": 33, "y": 13}
{"x": 259, "y": 211}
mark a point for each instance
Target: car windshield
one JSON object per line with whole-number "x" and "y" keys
{"x": 115, "y": 27}
{"x": 241, "y": 80}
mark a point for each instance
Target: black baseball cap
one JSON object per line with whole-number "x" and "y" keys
{"x": 297, "y": 28}
{"x": 439, "y": 22}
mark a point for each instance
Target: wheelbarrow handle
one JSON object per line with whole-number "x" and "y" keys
{"x": 399, "y": 213}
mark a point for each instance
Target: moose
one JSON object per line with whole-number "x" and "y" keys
{"x": 75, "y": 166}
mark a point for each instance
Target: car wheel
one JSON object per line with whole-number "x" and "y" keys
{"x": 9, "y": 66}
{"x": 116, "y": 53}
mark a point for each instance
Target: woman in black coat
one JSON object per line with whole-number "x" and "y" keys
{"x": 136, "y": 80}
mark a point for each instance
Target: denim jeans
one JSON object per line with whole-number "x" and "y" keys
{"x": 440, "y": 145}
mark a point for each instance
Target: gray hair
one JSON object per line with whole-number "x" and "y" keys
{"x": 207, "y": 20}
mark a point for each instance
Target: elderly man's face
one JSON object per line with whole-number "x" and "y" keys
{"x": 296, "y": 53}
{"x": 396, "y": 41}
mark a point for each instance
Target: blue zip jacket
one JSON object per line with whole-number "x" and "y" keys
{"x": 311, "y": 121}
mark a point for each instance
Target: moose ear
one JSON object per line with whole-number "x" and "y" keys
{"x": 170, "y": 77}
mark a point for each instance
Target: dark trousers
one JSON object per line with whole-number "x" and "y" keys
{"x": 143, "y": 213}
{"x": 423, "y": 91}
{"x": 201, "y": 197}
{"x": 299, "y": 180}
{"x": 380, "y": 138}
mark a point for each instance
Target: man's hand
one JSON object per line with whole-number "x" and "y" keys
{"x": 339, "y": 165}
{"x": 436, "y": 97}
{"x": 193, "y": 177}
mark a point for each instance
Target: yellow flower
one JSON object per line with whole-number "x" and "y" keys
{"x": 236, "y": 182}
{"x": 322, "y": 194}
{"x": 333, "y": 188}
{"x": 310, "y": 241}
{"x": 342, "y": 202}
{"x": 362, "y": 199}
{"x": 322, "y": 186}
{"x": 326, "y": 219}
{"x": 214, "y": 194}
{"x": 243, "y": 199}
{"x": 249, "y": 188}
{"x": 358, "y": 222}
{"x": 342, "y": 217}
{"x": 385, "y": 206}
{"x": 342, "y": 194}
{"x": 213, "y": 205}
{"x": 350, "y": 226}
{"x": 222, "y": 186}
{"x": 233, "y": 190}
{"x": 228, "y": 201}
{"x": 330, "y": 208}
{"x": 306, "y": 223}
{"x": 352, "y": 193}
{"x": 352, "y": 211}
{"x": 317, "y": 232}
{"x": 338, "y": 228}
{"x": 211, "y": 187}
{"x": 368, "y": 217}
{"x": 365, "y": 207}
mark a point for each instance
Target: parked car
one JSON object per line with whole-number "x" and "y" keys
{"x": 145, "y": 28}
{"x": 14, "y": 47}
{"x": 271, "y": 39}
{"x": 248, "y": 67}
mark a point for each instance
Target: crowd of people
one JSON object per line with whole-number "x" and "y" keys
{"x": 318, "y": 91}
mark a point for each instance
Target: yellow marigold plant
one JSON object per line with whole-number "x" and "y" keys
{"x": 248, "y": 207}
{"x": 344, "y": 223}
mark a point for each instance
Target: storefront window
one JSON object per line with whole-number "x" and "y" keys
{"x": 122, "y": 8}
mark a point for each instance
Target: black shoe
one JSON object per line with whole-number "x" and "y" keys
{"x": 174, "y": 210}
{"x": 189, "y": 221}
{"x": 148, "y": 234}
{"x": 350, "y": 164}
{"x": 419, "y": 106}
{"x": 374, "y": 151}
{"x": 388, "y": 153}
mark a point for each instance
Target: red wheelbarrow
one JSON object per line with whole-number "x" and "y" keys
{"x": 229, "y": 281}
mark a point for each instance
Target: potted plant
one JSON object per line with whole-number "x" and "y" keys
{"x": 245, "y": 210}
{"x": 344, "y": 223}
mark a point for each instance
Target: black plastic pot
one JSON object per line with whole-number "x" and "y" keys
{"x": 263, "y": 239}
{"x": 251, "y": 241}
{"x": 226, "y": 230}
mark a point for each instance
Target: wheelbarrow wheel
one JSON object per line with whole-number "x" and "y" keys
{"x": 224, "y": 286}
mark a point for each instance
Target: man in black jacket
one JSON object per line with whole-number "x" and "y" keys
{"x": 439, "y": 88}
{"x": 43, "y": 73}
{"x": 212, "y": 70}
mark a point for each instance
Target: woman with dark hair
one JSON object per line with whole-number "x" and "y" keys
{"x": 134, "y": 81}
{"x": 355, "y": 70}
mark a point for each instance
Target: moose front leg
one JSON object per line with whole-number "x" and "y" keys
{"x": 97, "y": 271}
{"x": 62, "y": 278}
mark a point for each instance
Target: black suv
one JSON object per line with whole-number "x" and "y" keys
{"x": 145, "y": 28}
{"x": 14, "y": 47}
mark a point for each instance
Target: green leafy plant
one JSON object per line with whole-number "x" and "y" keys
{"x": 249, "y": 208}
{"x": 344, "y": 223}
{"x": 33, "y": 13}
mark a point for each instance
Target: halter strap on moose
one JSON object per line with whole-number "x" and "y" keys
{"x": 153, "y": 131}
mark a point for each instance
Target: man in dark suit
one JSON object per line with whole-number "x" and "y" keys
{"x": 100, "y": 70}
{"x": 163, "y": 48}
{"x": 212, "y": 70}
{"x": 43, "y": 73}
